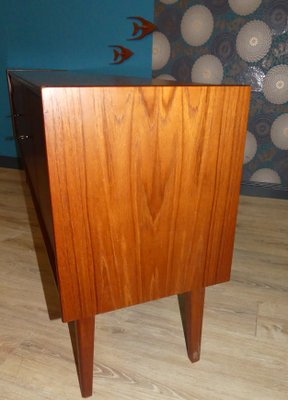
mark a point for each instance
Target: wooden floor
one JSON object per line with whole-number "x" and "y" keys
{"x": 140, "y": 351}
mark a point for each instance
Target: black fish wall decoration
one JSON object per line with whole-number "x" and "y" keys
{"x": 121, "y": 54}
{"x": 145, "y": 28}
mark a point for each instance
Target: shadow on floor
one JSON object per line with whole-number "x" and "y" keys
{"x": 46, "y": 272}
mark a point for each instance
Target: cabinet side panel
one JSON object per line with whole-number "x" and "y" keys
{"x": 141, "y": 183}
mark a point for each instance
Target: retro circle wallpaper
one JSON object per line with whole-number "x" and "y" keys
{"x": 234, "y": 41}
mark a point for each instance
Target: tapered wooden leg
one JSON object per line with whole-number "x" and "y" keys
{"x": 192, "y": 323}
{"x": 84, "y": 335}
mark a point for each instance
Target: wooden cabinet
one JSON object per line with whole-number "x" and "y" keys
{"x": 136, "y": 185}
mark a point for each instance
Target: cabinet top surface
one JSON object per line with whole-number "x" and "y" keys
{"x": 39, "y": 79}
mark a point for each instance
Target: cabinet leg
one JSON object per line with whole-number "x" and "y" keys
{"x": 192, "y": 321}
{"x": 84, "y": 338}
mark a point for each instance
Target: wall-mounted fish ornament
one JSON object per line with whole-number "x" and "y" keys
{"x": 122, "y": 54}
{"x": 145, "y": 28}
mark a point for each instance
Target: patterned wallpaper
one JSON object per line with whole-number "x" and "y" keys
{"x": 234, "y": 41}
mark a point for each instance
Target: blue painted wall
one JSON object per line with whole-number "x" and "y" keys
{"x": 68, "y": 34}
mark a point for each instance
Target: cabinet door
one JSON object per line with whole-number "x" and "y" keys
{"x": 29, "y": 133}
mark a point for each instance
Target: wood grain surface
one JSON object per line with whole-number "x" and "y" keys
{"x": 144, "y": 187}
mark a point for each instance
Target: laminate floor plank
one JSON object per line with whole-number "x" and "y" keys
{"x": 140, "y": 351}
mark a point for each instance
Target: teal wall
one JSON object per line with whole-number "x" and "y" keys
{"x": 68, "y": 34}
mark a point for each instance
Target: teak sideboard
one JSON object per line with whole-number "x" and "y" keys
{"x": 136, "y": 185}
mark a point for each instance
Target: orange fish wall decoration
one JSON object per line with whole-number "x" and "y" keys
{"x": 145, "y": 28}
{"x": 121, "y": 54}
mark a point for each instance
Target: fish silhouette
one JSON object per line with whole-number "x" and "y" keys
{"x": 145, "y": 28}
{"x": 123, "y": 53}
